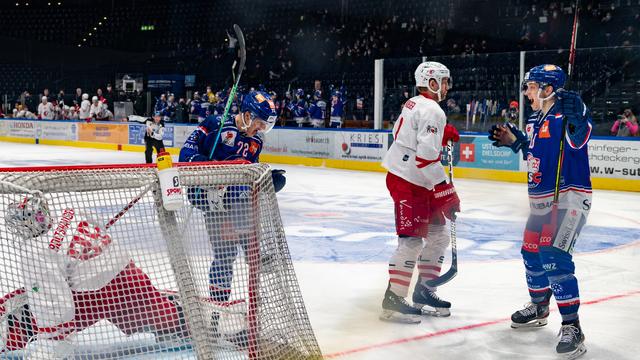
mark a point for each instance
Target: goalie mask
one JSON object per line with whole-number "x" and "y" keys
{"x": 29, "y": 218}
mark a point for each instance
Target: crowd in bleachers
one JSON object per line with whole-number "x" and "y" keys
{"x": 298, "y": 41}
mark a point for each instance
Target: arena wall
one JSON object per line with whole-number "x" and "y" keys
{"x": 615, "y": 162}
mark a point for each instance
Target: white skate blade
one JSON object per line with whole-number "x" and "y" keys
{"x": 576, "y": 353}
{"x": 531, "y": 324}
{"x": 396, "y": 317}
{"x": 433, "y": 311}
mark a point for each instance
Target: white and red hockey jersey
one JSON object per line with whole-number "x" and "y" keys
{"x": 84, "y": 110}
{"x": 417, "y": 143}
{"x": 80, "y": 256}
{"x": 46, "y": 111}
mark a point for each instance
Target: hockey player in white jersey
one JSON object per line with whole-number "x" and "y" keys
{"x": 74, "y": 275}
{"x": 85, "y": 107}
{"x": 99, "y": 110}
{"x": 422, "y": 197}
{"x": 46, "y": 110}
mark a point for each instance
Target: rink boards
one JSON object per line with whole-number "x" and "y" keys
{"x": 615, "y": 162}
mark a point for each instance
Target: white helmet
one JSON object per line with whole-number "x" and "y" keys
{"x": 432, "y": 70}
{"x": 85, "y": 96}
{"x": 94, "y": 99}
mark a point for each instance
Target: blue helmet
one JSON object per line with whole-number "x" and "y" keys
{"x": 544, "y": 75}
{"x": 317, "y": 94}
{"x": 300, "y": 92}
{"x": 261, "y": 106}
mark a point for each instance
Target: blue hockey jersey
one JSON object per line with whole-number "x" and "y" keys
{"x": 317, "y": 109}
{"x": 200, "y": 108}
{"x": 544, "y": 132}
{"x": 232, "y": 145}
{"x": 337, "y": 105}
{"x": 298, "y": 108}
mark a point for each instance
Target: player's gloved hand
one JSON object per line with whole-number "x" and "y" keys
{"x": 508, "y": 135}
{"x": 571, "y": 106}
{"x": 278, "y": 178}
{"x": 446, "y": 200}
{"x": 450, "y": 133}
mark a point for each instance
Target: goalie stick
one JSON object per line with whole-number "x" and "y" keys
{"x": 453, "y": 270}
{"x": 242, "y": 54}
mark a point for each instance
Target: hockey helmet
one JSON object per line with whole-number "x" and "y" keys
{"x": 300, "y": 92}
{"x": 29, "y": 218}
{"x": 317, "y": 94}
{"x": 261, "y": 107}
{"x": 545, "y": 75}
{"x": 85, "y": 96}
{"x": 433, "y": 70}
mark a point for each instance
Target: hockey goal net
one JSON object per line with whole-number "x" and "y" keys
{"x": 93, "y": 267}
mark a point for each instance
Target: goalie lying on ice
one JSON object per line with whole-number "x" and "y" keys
{"x": 74, "y": 275}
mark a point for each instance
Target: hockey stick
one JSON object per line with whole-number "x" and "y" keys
{"x": 453, "y": 270}
{"x": 242, "y": 53}
{"x": 572, "y": 57}
{"x": 56, "y": 240}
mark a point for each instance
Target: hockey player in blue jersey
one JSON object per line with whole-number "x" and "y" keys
{"x": 337, "y": 108}
{"x": 199, "y": 108}
{"x": 161, "y": 104}
{"x": 550, "y": 235}
{"x": 317, "y": 110}
{"x": 228, "y": 210}
{"x": 298, "y": 108}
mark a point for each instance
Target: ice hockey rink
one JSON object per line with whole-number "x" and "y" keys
{"x": 339, "y": 226}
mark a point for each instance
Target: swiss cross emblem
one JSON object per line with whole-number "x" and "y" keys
{"x": 409, "y": 104}
{"x": 467, "y": 152}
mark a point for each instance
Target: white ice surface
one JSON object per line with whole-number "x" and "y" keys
{"x": 343, "y": 299}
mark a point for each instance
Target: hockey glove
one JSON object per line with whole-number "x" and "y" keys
{"x": 508, "y": 135}
{"x": 571, "y": 106}
{"x": 278, "y": 178}
{"x": 450, "y": 133}
{"x": 446, "y": 200}
{"x": 577, "y": 115}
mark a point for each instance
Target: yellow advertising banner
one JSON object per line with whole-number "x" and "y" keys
{"x": 104, "y": 133}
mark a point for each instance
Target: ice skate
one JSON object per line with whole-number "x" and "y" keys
{"x": 238, "y": 339}
{"x": 533, "y": 315}
{"x": 429, "y": 303}
{"x": 396, "y": 309}
{"x": 571, "y": 344}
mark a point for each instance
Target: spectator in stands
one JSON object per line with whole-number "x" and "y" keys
{"x": 182, "y": 111}
{"x": 625, "y": 125}
{"x": 110, "y": 97}
{"x": 78, "y": 96}
{"x": 45, "y": 109}
{"x": 61, "y": 99}
{"x": 45, "y": 92}
{"x": 513, "y": 113}
{"x": 100, "y": 96}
